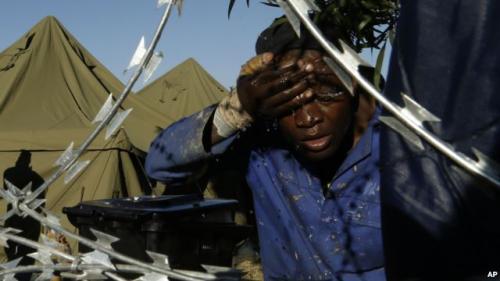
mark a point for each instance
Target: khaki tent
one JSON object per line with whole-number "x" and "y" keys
{"x": 67, "y": 86}
{"x": 112, "y": 172}
{"x": 185, "y": 89}
{"x": 50, "y": 90}
{"x": 49, "y": 81}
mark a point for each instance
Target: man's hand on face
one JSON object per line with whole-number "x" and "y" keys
{"x": 322, "y": 72}
{"x": 268, "y": 89}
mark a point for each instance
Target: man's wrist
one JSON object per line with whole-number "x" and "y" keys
{"x": 230, "y": 116}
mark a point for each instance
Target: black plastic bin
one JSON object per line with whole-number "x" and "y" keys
{"x": 189, "y": 229}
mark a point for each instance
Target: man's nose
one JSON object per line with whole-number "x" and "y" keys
{"x": 307, "y": 115}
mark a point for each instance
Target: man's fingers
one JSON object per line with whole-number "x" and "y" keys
{"x": 256, "y": 64}
{"x": 296, "y": 102}
{"x": 287, "y": 95}
{"x": 289, "y": 59}
{"x": 270, "y": 82}
{"x": 286, "y": 80}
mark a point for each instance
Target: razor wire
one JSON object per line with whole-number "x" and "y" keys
{"x": 95, "y": 270}
{"x": 97, "y": 264}
{"x": 409, "y": 119}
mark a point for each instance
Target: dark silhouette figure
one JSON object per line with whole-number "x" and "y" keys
{"x": 20, "y": 175}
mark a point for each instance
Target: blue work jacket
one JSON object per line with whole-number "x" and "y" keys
{"x": 303, "y": 233}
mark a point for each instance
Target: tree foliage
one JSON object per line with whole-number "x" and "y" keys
{"x": 361, "y": 23}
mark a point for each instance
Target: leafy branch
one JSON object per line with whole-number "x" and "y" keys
{"x": 360, "y": 23}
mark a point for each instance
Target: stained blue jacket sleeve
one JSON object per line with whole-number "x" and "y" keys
{"x": 178, "y": 154}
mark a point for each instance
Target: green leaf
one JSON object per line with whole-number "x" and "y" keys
{"x": 366, "y": 20}
{"x": 269, "y": 3}
{"x": 231, "y": 4}
{"x": 370, "y": 4}
{"x": 358, "y": 22}
{"x": 392, "y": 35}
{"x": 378, "y": 66}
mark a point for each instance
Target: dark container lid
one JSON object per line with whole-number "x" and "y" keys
{"x": 144, "y": 207}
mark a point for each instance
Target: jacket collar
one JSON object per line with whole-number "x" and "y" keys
{"x": 363, "y": 148}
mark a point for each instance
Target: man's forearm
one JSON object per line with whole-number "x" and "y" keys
{"x": 228, "y": 119}
{"x": 174, "y": 151}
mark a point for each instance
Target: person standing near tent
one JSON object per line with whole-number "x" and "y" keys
{"x": 22, "y": 175}
{"x": 310, "y": 162}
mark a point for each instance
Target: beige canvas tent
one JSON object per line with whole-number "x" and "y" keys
{"x": 111, "y": 172}
{"x": 50, "y": 90}
{"x": 67, "y": 86}
{"x": 48, "y": 80}
{"x": 185, "y": 89}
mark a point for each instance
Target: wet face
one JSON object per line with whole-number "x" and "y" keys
{"x": 318, "y": 129}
